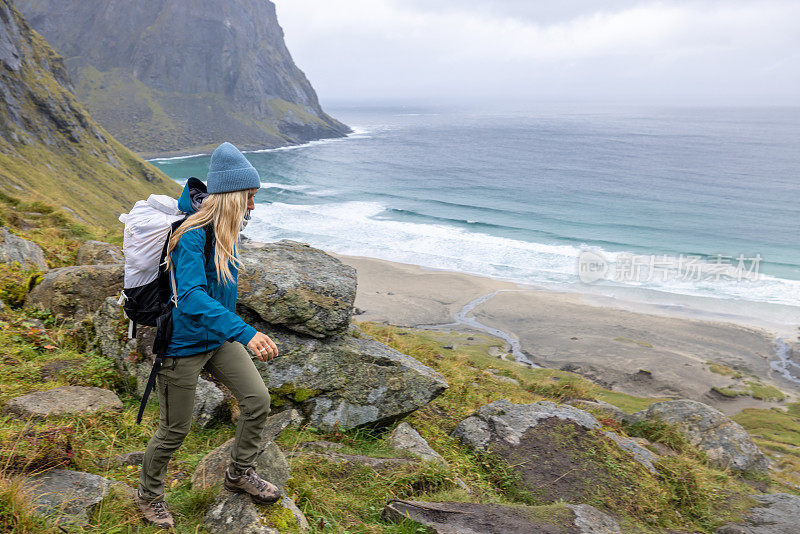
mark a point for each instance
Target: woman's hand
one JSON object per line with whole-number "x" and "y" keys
{"x": 263, "y": 347}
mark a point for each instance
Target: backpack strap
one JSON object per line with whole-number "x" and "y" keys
{"x": 151, "y": 381}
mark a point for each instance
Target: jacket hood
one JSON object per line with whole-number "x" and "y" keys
{"x": 194, "y": 192}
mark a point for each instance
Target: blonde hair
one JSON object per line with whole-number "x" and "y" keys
{"x": 225, "y": 211}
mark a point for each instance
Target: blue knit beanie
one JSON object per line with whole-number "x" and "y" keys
{"x": 229, "y": 170}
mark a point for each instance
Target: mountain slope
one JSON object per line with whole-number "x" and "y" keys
{"x": 50, "y": 148}
{"x": 184, "y": 75}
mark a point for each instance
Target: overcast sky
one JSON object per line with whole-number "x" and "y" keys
{"x": 620, "y": 50}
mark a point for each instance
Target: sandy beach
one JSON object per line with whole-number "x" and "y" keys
{"x": 615, "y": 344}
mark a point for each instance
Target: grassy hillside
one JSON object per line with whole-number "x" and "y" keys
{"x": 51, "y": 150}
{"x": 688, "y": 495}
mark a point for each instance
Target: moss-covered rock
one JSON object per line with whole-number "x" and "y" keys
{"x": 296, "y": 286}
{"x": 345, "y": 381}
{"x": 72, "y": 293}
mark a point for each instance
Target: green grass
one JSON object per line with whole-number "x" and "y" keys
{"x": 343, "y": 498}
{"x": 724, "y": 370}
{"x": 752, "y": 388}
{"x": 777, "y": 432}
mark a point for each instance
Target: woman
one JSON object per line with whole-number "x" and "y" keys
{"x": 208, "y": 334}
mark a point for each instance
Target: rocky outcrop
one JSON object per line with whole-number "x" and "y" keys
{"x": 346, "y": 381}
{"x": 300, "y": 287}
{"x": 405, "y": 438}
{"x": 72, "y": 293}
{"x": 66, "y": 497}
{"x": 776, "y": 513}
{"x": 14, "y": 249}
{"x": 558, "y": 436}
{"x": 502, "y": 420}
{"x": 99, "y": 253}
{"x": 725, "y": 442}
{"x": 303, "y": 299}
{"x": 183, "y": 75}
{"x": 469, "y": 518}
{"x": 64, "y": 400}
{"x": 52, "y": 149}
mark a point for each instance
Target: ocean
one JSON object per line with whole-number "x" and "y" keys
{"x": 671, "y": 206}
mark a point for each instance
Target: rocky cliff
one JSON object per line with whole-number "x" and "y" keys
{"x": 50, "y": 148}
{"x": 181, "y": 75}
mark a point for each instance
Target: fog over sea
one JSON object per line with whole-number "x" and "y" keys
{"x": 678, "y": 205}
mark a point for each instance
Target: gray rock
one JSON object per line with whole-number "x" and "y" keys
{"x": 64, "y": 400}
{"x": 72, "y": 293}
{"x": 235, "y": 513}
{"x": 270, "y": 465}
{"x": 345, "y": 381}
{"x": 476, "y": 518}
{"x": 405, "y": 438}
{"x": 297, "y": 286}
{"x": 14, "y": 249}
{"x": 99, "y": 253}
{"x": 725, "y": 441}
{"x": 210, "y": 406}
{"x": 778, "y": 513}
{"x": 508, "y": 422}
{"x": 590, "y": 520}
{"x": 516, "y": 432}
{"x": 67, "y": 497}
{"x": 642, "y": 455}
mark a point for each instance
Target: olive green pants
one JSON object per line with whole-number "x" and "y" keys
{"x": 177, "y": 381}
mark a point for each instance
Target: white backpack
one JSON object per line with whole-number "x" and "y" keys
{"x": 147, "y": 229}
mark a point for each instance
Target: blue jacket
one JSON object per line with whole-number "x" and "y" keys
{"x": 205, "y": 316}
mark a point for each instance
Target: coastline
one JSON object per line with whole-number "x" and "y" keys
{"x": 635, "y": 348}
{"x": 206, "y": 150}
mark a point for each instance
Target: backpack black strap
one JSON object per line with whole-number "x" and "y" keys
{"x": 164, "y": 326}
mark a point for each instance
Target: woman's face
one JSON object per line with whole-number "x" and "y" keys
{"x": 251, "y": 203}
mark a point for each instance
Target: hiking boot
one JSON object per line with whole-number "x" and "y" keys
{"x": 154, "y": 511}
{"x": 261, "y": 491}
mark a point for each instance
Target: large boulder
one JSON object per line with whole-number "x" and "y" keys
{"x": 99, "y": 253}
{"x": 346, "y": 381}
{"x": 776, "y": 513}
{"x": 725, "y": 442}
{"x": 470, "y": 518}
{"x": 547, "y": 443}
{"x": 73, "y": 293}
{"x": 297, "y": 286}
{"x": 64, "y": 400}
{"x": 68, "y": 498}
{"x": 14, "y": 249}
